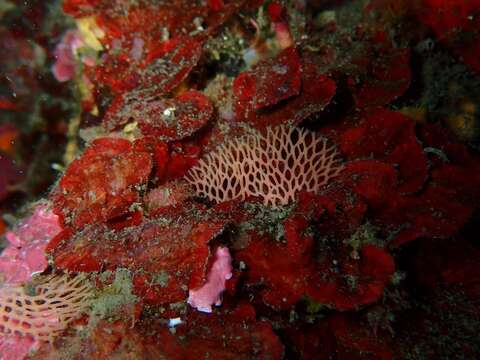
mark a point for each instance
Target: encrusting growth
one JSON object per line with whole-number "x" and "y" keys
{"x": 273, "y": 166}
{"x": 56, "y": 301}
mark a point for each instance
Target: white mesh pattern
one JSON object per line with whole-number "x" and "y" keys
{"x": 57, "y": 301}
{"x": 274, "y": 167}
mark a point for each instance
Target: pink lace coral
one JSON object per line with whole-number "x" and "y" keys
{"x": 55, "y": 303}
{"x": 273, "y": 166}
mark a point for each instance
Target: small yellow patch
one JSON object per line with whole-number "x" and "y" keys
{"x": 91, "y": 32}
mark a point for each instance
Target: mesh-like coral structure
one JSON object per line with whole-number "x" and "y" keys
{"x": 273, "y": 166}
{"x": 47, "y": 309}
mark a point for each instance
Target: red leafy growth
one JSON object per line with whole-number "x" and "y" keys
{"x": 182, "y": 158}
{"x": 436, "y": 212}
{"x": 317, "y": 92}
{"x": 176, "y": 252}
{"x": 150, "y": 20}
{"x": 356, "y": 282}
{"x": 446, "y": 204}
{"x": 297, "y": 94}
{"x": 354, "y": 340}
{"x": 462, "y": 179}
{"x": 135, "y": 36}
{"x": 108, "y": 339}
{"x": 10, "y": 175}
{"x": 456, "y": 24}
{"x": 388, "y": 136}
{"x": 159, "y": 151}
{"x": 378, "y": 134}
{"x": 276, "y": 11}
{"x": 453, "y": 166}
{"x": 101, "y": 184}
{"x": 468, "y": 51}
{"x": 341, "y": 211}
{"x": 116, "y": 72}
{"x": 339, "y": 336}
{"x": 230, "y": 335}
{"x": 172, "y": 194}
{"x": 80, "y": 7}
{"x": 166, "y": 66}
{"x": 453, "y": 264}
{"x": 113, "y": 339}
{"x": 128, "y": 220}
{"x": 375, "y": 181}
{"x": 270, "y": 82}
{"x": 179, "y": 117}
{"x": 437, "y": 208}
{"x": 226, "y": 335}
{"x": 283, "y": 269}
{"x": 216, "y": 5}
{"x": 170, "y": 161}
{"x": 169, "y": 64}
{"x": 289, "y": 271}
{"x": 219, "y": 15}
{"x": 166, "y": 119}
{"x": 387, "y": 77}
{"x": 446, "y": 17}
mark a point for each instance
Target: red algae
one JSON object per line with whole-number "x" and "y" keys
{"x": 373, "y": 257}
{"x": 100, "y": 184}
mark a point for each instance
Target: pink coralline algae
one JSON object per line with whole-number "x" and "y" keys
{"x": 25, "y": 254}
{"x": 15, "y": 347}
{"x": 211, "y": 293}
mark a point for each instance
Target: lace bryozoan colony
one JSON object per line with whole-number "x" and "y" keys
{"x": 273, "y": 166}
{"x": 56, "y": 302}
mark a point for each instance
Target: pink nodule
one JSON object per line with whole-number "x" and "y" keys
{"x": 65, "y": 63}
{"x": 211, "y": 293}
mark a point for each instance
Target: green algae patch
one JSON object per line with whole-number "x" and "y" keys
{"x": 365, "y": 234}
{"x": 160, "y": 278}
{"x": 266, "y": 220}
{"x": 115, "y": 296}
